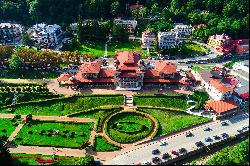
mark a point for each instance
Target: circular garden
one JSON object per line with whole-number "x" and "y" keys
{"x": 127, "y": 127}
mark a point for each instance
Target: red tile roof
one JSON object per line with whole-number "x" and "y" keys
{"x": 221, "y": 106}
{"x": 91, "y": 67}
{"x": 165, "y": 67}
{"x": 64, "y": 77}
{"x": 151, "y": 73}
{"x": 129, "y": 75}
{"x": 79, "y": 78}
{"x": 220, "y": 86}
{"x": 107, "y": 73}
{"x": 128, "y": 60}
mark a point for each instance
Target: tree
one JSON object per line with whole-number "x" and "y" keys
{"x": 120, "y": 33}
{"x": 16, "y": 62}
{"x": 80, "y": 31}
{"x": 28, "y": 118}
{"x": 154, "y": 9}
{"x": 115, "y": 8}
{"x": 5, "y": 157}
{"x": 26, "y": 40}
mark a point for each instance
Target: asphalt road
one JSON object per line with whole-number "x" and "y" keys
{"x": 143, "y": 153}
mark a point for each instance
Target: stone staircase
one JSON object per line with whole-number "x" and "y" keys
{"x": 129, "y": 101}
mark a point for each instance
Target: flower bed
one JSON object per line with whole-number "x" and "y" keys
{"x": 41, "y": 133}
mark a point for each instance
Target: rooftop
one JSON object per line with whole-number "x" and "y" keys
{"x": 221, "y": 106}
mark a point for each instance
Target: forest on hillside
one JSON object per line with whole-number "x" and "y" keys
{"x": 224, "y": 16}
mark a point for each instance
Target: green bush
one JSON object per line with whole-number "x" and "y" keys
{"x": 238, "y": 155}
{"x": 200, "y": 98}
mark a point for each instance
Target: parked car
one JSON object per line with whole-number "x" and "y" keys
{"x": 146, "y": 163}
{"x": 208, "y": 139}
{"x": 174, "y": 152}
{"x": 207, "y": 129}
{"x": 224, "y": 135}
{"x": 166, "y": 156}
{"x": 156, "y": 151}
{"x": 182, "y": 151}
{"x": 156, "y": 160}
{"x": 189, "y": 134}
{"x": 224, "y": 123}
{"x": 216, "y": 137}
{"x": 199, "y": 144}
{"x": 162, "y": 143}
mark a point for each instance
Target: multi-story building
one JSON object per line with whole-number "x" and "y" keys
{"x": 46, "y": 36}
{"x": 148, "y": 39}
{"x": 10, "y": 33}
{"x": 128, "y": 73}
{"x": 183, "y": 29}
{"x": 130, "y": 24}
{"x": 168, "y": 40}
{"x": 242, "y": 47}
{"x": 223, "y": 44}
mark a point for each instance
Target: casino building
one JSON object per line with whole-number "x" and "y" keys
{"x": 128, "y": 72}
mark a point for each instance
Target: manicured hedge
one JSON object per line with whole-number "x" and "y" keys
{"x": 159, "y": 100}
{"x": 102, "y": 145}
{"x": 123, "y": 137}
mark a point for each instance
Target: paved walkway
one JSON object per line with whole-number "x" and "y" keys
{"x": 16, "y": 131}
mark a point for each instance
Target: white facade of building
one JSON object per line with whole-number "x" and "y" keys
{"x": 148, "y": 39}
{"x": 242, "y": 66}
{"x": 183, "y": 29}
{"x": 11, "y": 32}
{"x": 214, "y": 93}
{"x": 131, "y": 24}
{"x": 45, "y": 35}
{"x": 169, "y": 39}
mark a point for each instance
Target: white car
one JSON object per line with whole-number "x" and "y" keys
{"x": 162, "y": 143}
{"x": 146, "y": 163}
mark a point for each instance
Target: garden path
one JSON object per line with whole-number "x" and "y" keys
{"x": 16, "y": 131}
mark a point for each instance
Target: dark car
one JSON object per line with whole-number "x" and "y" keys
{"x": 156, "y": 160}
{"x": 207, "y": 129}
{"x": 166, "y": 156}
{"x": 182, "y": 150}
{"x": 156, "y": 151}
{"x": 189, "y": 134}
{"x": 224, "y": 135}
{"x": 224, "y": 123}
{"x": 216, "y": 137}
{"x": 199, "y": 144}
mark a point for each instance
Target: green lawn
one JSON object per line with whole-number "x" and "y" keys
{"x": 98, "y": 48}
{"x": 66, "y": 106}
{"x": 173, "y": 120}
{"x": 8, "y": 126}
{"x": 39, "y": 133}
{"x": 30, "y": 159}
{"x": 186, "y": 50}
{"x": 128, "y": 127}
{"x": 197, "y": 68}
{"x": 167, "y": 101}
{"x": 99, "y": 114}
{"x": 102, "y": 145}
